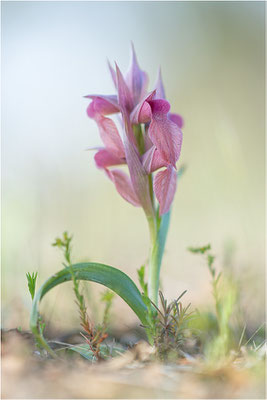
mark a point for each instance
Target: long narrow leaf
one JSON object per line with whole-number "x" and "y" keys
{"x": 108, "y": 276}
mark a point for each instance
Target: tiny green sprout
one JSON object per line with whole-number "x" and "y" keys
{"x": 170, "y": 325}
{"x": 141, "y": 278}
{"x": 218, "y": 349}
{"x": 210, "y": 260}
{"x": 57, "y": 243}
{"x": 31, "y": 278}
{"x": 64, "y": 244}
{"x": 200, "y": 250}
{"x": 107, "y": 296}
{"x": 66, "y": 237}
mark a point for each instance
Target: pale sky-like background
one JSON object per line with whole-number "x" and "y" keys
{"x": 212, "y": 60}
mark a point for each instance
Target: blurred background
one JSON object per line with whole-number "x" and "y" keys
{"x": 212, "y": 60}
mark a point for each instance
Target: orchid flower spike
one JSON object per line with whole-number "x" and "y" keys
{"x": 150, "y": 139}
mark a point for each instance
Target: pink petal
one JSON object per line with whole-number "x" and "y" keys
{"x": 164, "y": 188}
{"x": 138, "y": 175}
{"x": 104, "y": 105}
{"x": 110, "y": 136}
{"x": 152, "y": 160}
{"x": 124, "y": 94}
{"x": 142, "y": 114}
{"x": 136, "y": 79}
{"x": 177, "y": 119}
{"x": 123, "y": 185}
{"x": 104, "y": 159}
{"x": 147, "y": 140}
{"x": 113, "y": 74}
{"x": 160, "y": 92}
{"x": 159, "y": 107}
{"x": 165, "y": 134}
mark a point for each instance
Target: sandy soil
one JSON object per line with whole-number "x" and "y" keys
{"x": 131, "y": 375}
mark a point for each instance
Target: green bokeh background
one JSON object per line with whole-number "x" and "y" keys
{"x": 212, "y": 60}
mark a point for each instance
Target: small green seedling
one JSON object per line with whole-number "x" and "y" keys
{"x": 224, "y": 293}
{"x": 31, "y": 278}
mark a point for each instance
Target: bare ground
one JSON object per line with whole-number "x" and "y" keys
{"x": 132, "y": 375}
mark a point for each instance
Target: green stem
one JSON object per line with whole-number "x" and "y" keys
{"x": 158, "y": 239}
{"x": 154, "y": 269}
{"x": 154, "y": 262}
{"x": 40, "y": 340}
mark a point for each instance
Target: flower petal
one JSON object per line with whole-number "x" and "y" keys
{"x": 177, "y": 119}
{"x": 142, "y": 114}
{"x": 113, "y": 74}
{"x": 124, "y": 94}
{"x": 152, "y": 160}
{"x": 165, "y": 187}
{"x": 159, "y": 107}
{"x": 104, "y": 105}
{"x": 165, "y": 134}
{"x": 110, "y": 135}
{"x": 104, "y": 159}
{"x": 136, "y": 79}
{"x": 123, "y": 185}
{"x": 160, "y": 91}
{"x": 138, "y": 175}
{"x": 160, "y": 94}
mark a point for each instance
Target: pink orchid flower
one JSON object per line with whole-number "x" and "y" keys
{"x": 151, "y": 139}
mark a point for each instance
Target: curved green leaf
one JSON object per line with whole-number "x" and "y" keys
{"x": 110, "y": 277}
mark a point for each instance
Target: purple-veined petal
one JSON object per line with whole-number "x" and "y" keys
{"x": 104, "y": 105}
{"x": 165, "y": 187}
{"x": 165, "y": 134}
{"x": 177, "y": 119}
{"x": 125, "y": 103}
{"x": 160, "y": 94}
{"x": 160, "y": 91}
{"x": 138, "y": 175}
{"x": 142, "y": 114}
{"x": 136, "y": 79}
{"x": 152, "y": 160}
{"x": 104, "y": 158}
{"x": 113, "y": 74}
{"x": 159, "y": 107}
{"x": 147, "y": 140}
{"x": 110, "y": 135}
{"x": 123, "y": 185}
{"x": 124, "y": 95}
